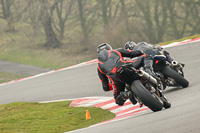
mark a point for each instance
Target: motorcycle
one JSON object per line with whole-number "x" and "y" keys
{"x": 147, "y": 89}
{"x": 172, "y": 73}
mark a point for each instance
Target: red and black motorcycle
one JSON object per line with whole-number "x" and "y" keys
{"x": 147, "y": 89}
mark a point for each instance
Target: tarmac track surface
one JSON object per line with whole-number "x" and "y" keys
{"x": 182, "y": 117}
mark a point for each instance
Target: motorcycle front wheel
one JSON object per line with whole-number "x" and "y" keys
{"x": 150, "y": 100}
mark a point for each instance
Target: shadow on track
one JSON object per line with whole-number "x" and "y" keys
{"x": 169, "y": 90}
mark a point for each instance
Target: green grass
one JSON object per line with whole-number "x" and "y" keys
{"x": 22, "y": 46}
{"x": 179, "y": 40}
{"x": 6, "y": 77}
{"x": 41, "y": 57}
{"x": 58, "y": 117}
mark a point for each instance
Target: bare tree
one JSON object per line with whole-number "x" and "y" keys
{"x": 192, "y": 15}
{"x": 62, "y": 14}
{"x": 104, "y": 7}
{"x": 109, "y": 13}
{"x": 184, "y": 17}
{"x": 6, "y": 13}
{"x": 125, "y": 17}
{"x": 33, "y": 16}
{"x": 173, "y": 19}
{"x": 88, "y": 18}
{"x": 83, "y": 22}
{"x": 154, "y": 19}
{"x": 51, "y": 38}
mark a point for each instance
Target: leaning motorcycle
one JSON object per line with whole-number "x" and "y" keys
{"x": 148, "y": 90}
{"x": 171, "y": 73}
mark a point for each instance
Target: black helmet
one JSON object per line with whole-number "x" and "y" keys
{"x": 103, "y": 46}
{"x": 129, "y": 45}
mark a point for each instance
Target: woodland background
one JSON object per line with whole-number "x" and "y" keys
{"x": 77, "y": 27}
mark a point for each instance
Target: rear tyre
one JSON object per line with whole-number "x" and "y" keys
{"x": 177, "y": 77}
{"x": 148, "y": 99}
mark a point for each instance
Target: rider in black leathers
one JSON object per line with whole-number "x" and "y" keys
{"x": 150, "y": 50}
{"x": 108, "y": 62}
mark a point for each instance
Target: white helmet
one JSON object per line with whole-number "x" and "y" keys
{"x": 129, "y": 45}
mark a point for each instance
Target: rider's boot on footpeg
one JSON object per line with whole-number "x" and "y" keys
{"x": 128, "y": 95}
{"x": 124, "y": 95}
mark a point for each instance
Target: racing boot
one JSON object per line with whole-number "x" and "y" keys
{"x": 124, "y": 95}
{"x": 121, "y": 98}
{"x": 128, "y": 95}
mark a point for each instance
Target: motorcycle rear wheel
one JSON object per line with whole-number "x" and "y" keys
{"x": 177, "y": 77}
{"x": 148, "y": 99}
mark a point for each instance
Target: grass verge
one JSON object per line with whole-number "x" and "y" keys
{"x": 179, "y": 40}
{"x": 58, "y": 117}
{"x": 6, "y": 77}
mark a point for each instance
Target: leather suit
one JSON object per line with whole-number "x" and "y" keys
{"x": 108, "y": 62}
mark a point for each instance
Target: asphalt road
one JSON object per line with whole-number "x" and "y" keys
{"x": 182, "y": 117}
{"x": 22, "y": 69}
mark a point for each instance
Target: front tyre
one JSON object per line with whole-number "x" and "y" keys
{"x": 148, "y": 99}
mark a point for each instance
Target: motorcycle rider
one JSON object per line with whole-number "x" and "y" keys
{"x": 108, "y": 62}
{"x": 148, "y": 49}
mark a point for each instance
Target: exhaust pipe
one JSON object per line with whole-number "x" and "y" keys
{"x": 174, "y": 63}
{"x": 148, "y": 77}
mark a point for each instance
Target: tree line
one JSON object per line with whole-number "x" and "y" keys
{"x": 90, "y": 22}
